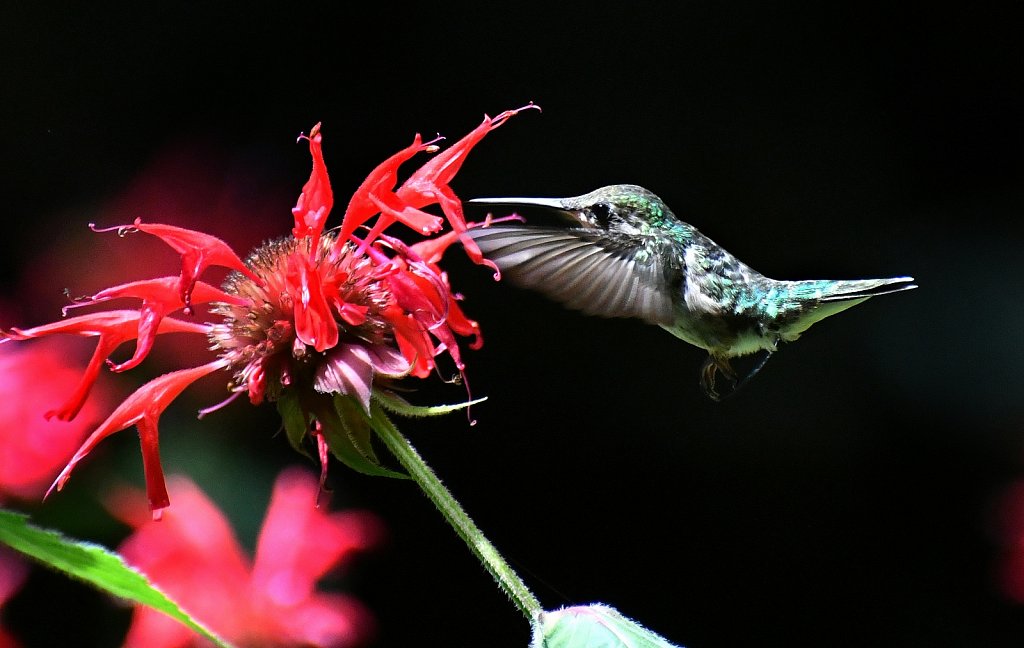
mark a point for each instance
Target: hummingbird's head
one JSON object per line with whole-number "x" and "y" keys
{"x": 607, "y": 208}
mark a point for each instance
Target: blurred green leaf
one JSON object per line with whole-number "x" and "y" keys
{"x": 592, "y": 626}
{"x": 93, "y": 564}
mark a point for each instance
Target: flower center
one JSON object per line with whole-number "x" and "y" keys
{"x": 303, "y": 304}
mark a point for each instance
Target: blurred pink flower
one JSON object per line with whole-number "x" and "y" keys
{"x": 193, "y": 555}
{"x": 33, "y": 383}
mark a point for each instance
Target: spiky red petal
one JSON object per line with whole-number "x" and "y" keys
{"x": 143, "y": 409}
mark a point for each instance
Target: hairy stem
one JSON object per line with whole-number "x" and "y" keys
{"x": 456, "y": 516}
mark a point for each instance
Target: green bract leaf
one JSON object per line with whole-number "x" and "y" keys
{"x": 395, "y": 403}
{"x": 295, "y": 419}
{"x": 344, "y": 438}
{"x": 93, "y": 564}
{"x": 592, "y": 626}
{"x": 357, "y": 425}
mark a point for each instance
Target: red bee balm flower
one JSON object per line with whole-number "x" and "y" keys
{"x": 319, "y": 321}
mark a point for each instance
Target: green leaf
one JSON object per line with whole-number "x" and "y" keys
{"x": 357, "y": 425}
{"x": 93, "y": 564}
{"x": 592, "y": 626}
{"x": 395, "y": 403}
{"x": 295, "y": 419}
{"x": 344, "y": 445}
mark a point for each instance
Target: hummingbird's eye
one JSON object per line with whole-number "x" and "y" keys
{"x": 601, "y": 213}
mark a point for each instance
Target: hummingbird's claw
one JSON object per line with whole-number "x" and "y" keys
{"x": 711, "y": 366}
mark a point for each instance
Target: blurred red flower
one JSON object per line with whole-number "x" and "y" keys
{"x": 318, "y": 321}
{"x": 33, "y": 383}
{"x": 193, "y": 555}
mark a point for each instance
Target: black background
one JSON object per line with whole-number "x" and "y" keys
{"x": 846, "y": 497}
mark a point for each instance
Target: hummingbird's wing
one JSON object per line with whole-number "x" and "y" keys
{"x": 594, "y": 271}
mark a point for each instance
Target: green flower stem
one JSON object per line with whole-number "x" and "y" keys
{"x": 507, "y": 579}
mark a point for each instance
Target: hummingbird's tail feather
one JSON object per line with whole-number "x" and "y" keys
{"x": 809, "y": 302}
{"x": 864, "y": 288}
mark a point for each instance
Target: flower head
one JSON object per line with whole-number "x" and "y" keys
{"x": 319, "y": 321}
{"x": 193, "y": 555}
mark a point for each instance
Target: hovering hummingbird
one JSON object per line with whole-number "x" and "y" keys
{"x": 623, "y": 253}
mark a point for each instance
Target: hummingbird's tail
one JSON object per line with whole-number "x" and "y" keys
{"x": 863, "y": 288}
{"x": 803, "y": 303}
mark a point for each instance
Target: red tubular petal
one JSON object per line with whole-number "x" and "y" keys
{"x": 322, "y": 450}
{"x": 314, "y": 322}
{"x": 149, "y": 441}
{"x": 379, "y": 183}
{"x": 452, "y": 208}
{"x": 113, "y": 329}
{"x": 395, "y": 210}
{"x": 429, "y": 184}
{"x": 142, "y": 408}
{"x": 73, "y": 405}
{"x": 413, "y": 341}
{"x": 163, "y": 291}
{"x": 464, "y": 326}
{"x": 317, "y": 199}
{"x": 431, "y": 250}
{"x": 198, "y": 252}
{"x": 419, "y": 189}
{"x": 86, "y": 325}
{"x": 159, "y": 297}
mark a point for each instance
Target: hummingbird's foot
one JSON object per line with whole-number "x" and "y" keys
{"x": 708, "y": 370}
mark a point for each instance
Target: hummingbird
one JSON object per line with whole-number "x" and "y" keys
{"x": 621, "y": 252}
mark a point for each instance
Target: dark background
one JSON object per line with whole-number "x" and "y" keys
{"x": 845, "y": 497}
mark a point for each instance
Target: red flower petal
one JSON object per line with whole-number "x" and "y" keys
{"x": 440, "y": 169}
{"x": 314, "y": 322}
{"x": 429, "y": 184}
{"x": 113, "y": 328}
{"x": 380, "y": 184}
{"x": 392, "y": 209}
{"x": 198, "y": 252}
{"x": 413, "y": 341}
{"x": 143, "y": 409}
{"x": 317, "y": 199}
{"x": 159, "y": 297}
{"x": 464, "y": 326}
